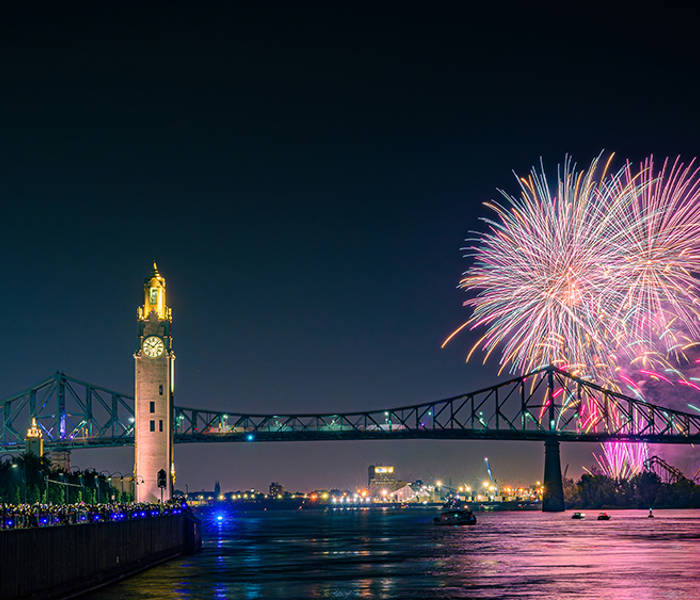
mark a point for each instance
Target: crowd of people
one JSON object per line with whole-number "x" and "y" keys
{"x": 19, "y": 516}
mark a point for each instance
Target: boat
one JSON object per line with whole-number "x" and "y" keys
{"x": 603, "y": 516}
{"x": 455, "y": 514}
{"x": 578, "y": 515}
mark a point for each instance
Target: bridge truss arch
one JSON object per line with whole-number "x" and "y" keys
{"x": 547, "y": 403}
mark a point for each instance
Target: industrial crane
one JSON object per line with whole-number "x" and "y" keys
{"x": 491, "y": 477}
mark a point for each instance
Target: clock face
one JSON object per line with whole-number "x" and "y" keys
{"x": 153, "y": 346}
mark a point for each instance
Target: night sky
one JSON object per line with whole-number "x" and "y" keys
{"x": 305, "y": 182}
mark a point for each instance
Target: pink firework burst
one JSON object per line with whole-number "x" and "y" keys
{"x": 597, "y": 272}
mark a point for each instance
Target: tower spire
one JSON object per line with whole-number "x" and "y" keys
{"x": 154, "y": 296}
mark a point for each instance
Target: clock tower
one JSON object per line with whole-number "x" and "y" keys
{"x": 153, "y": 400}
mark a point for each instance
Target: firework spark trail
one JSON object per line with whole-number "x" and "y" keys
{"x": 621, "y": 460}
{"x": 597, "y": 273}
{"x": 663, "y": 252}
{"x": 542, "y": 271}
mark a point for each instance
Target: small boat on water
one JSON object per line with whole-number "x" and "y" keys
{"x": 455, "y": 514}
{"x": 578, "y": 515}
{"x": 603, "y": 516}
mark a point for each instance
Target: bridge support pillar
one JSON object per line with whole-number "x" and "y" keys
{"x": 553, "y": 496}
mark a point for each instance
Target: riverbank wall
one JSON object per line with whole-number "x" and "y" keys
{"x": 59, "y": 562}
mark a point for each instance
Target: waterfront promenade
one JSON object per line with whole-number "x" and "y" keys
{"x": 21, "y": 516}
{"x": 55, "y": 551}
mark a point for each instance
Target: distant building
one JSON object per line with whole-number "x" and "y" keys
{"x": 34, "y": 442}
{"x": 382, "y": 482}
{"x": 276, "y": 489}
{"x": 202, "y": 495}
{"x": 403, "y": 494}
{"x": 378, "y": 474}
{"x": 414, "y": 492}
{"x": 217, "y": 489}
{"x": 61, "y": 459}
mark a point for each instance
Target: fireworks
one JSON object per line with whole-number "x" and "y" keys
{"x": 597, "y": 274}
{"x": 542, "y": 275}
{"x": 621, "y": 460}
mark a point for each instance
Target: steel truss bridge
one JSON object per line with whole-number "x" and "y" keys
{"x": 547, "y": 404}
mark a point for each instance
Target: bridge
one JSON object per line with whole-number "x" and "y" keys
{"x": 547, "y": 405}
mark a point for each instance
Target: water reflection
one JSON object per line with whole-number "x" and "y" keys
{"x": 400, "y": 554}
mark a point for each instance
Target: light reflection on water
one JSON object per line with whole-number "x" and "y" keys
{"x": 401, "y": 554}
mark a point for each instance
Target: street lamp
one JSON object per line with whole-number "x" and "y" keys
{"x": 15, "y": 465}
{"x": 79, "y": 473}
{"x": 24, "y": 482}
{"x": 121, "y": 482}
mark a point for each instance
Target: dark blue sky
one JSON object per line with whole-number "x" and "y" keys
{"x": 305, "y": 182}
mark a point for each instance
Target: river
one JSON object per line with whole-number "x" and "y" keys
{"x": 347, "y": 554}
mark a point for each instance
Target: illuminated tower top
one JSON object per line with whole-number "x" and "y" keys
{"x": 34, "y": 440}
{"x": 154, "y": 298}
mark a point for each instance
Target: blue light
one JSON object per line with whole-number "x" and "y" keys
{"x": 219, "y": 518}
{"x": 250, "y": 437}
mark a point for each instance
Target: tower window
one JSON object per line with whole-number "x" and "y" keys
{"x": 153, "y": 407}
{"x": 153, "y": 425}
{"x": 160, "y": 389}
{"x": 160, "y": 425}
